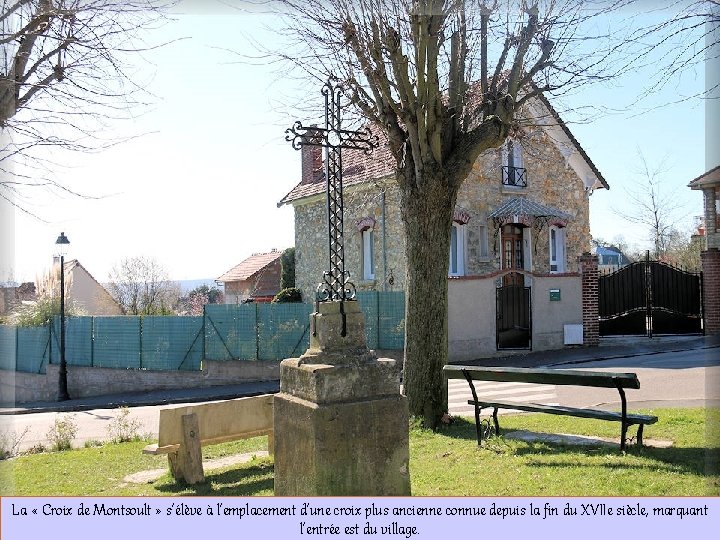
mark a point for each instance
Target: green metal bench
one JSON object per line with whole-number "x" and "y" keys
{"x": 571, "y": 377}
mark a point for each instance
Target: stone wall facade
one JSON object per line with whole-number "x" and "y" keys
{"x": 712, "y": 220}
{"x": 551, "y": 181}
{"x": 377, "y": 201}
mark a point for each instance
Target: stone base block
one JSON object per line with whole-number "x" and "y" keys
{"x": 350, "y": 380}
{"x": 344, "y": 448}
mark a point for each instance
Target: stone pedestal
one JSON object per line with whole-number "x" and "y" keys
{"x": 341, "y": 425}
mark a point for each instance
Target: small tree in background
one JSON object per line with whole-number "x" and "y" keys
{"x": 194, "y": 303}
{"x": 141, "y": 286}
{"x": 287, "y": 264}
{"x": 655, "y": 205}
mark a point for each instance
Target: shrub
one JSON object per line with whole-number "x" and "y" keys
{"x": 62, "y": 433}
{"x": 10, "y": 443}
{"x": 291, "y": 294}
{"x": 122, "y": 428}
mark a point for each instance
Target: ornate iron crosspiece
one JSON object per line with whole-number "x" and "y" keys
{"x": 336, "y": 284}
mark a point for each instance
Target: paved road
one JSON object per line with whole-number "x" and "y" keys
{"x": 93, "y": 425}
{"x": 684, "y": 378}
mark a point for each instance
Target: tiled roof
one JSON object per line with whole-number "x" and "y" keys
{"x": 520, "y": 206}
{"x": 359, "y": 167}
{"x": 250, "y": 266}
{"x": 710, "y": 178}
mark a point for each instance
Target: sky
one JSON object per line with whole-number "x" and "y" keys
{"x": 199, "y": 191}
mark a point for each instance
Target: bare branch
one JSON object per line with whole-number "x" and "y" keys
{"x": 63, "y": 70}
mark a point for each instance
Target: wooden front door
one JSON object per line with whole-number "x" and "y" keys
{"x": 513, "y": 256}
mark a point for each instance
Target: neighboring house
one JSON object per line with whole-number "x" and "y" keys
{"x": 256, "y": 279}
{"x": 610, "y": 258}
{"x": 13, "y": 297}
{"x": 86, "y": 293}
{"x": 709, "y": 184}
{"x": 522, "y": 215}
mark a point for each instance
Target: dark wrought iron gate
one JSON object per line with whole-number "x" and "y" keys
{"x": 650, "y": 297}
{"x": 514, "y": 316}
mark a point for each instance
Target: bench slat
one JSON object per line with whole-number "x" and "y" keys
{"x": 172, "y": 448}
{"x": 568, "y": 411}
{"x": 574, "y": 377}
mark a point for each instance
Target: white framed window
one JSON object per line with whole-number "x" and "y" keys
{"x": 368, "y": 254}
{"x": 513, "y": 170}
{"x": 457, "y": 249}
{"x": 557, "y": 249}
{"x": 512, "y": 153}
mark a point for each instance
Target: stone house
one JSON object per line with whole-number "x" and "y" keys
{"x": 709, "y": 184}
{"x": 255, "y": 279}
{"x": 522, "y": 218}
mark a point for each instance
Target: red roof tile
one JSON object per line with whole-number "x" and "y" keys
{"x": 250, "y": 266}
{"x": 359, "y": 167}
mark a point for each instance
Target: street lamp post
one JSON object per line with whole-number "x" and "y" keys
{"x": 62, "y": 243}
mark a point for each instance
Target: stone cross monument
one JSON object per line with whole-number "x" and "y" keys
{"x": 341, "y": 424}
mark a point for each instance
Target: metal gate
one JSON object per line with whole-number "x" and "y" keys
{"x": 514, "y": 319}
{"x": 650, "y": 297}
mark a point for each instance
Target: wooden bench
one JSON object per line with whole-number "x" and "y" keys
{"x": 572, "y": 377}
{"x": 184, "y": 430}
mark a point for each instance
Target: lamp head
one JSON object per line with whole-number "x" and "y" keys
{"x": 62, "y": 244}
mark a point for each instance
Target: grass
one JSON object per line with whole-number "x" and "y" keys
{"x": 444, "y": 463}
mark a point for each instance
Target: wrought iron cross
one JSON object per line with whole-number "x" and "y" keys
{"x": 336, "y": 284}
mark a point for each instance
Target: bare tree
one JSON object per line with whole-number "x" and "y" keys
{"x": 141, "y": 286}
{"x": 64, "y": 73}
{"x": 420, "y": 71}
{"x": 653, "y": 206}
{"x": 684, "y": 38}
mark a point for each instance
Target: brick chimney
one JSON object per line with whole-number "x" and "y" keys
{"x": 312, "y": 159}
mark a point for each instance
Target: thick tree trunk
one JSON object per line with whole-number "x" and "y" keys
{"x": 427, "y": 217}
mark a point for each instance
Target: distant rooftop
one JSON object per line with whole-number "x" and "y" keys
{"x": 250, "y": 266}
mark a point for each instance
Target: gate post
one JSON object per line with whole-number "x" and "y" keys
{"x": 711, "y": 290}
{"x": 591, "y": 322}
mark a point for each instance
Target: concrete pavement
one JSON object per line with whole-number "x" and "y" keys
{"x": 610, "y": 348}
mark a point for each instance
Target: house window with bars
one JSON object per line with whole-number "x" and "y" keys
{"x": 513, "y": 172}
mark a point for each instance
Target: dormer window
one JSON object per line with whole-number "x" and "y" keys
{"x": 513, "y": 173}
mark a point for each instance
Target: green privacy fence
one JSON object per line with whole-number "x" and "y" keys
{"x": 256, "y": 331}
{"x": 225, "y": 332}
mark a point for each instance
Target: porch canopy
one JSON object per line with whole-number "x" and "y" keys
{"x": 529, "y": 213}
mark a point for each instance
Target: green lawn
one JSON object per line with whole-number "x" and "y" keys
{"x": 444, "y": 463}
